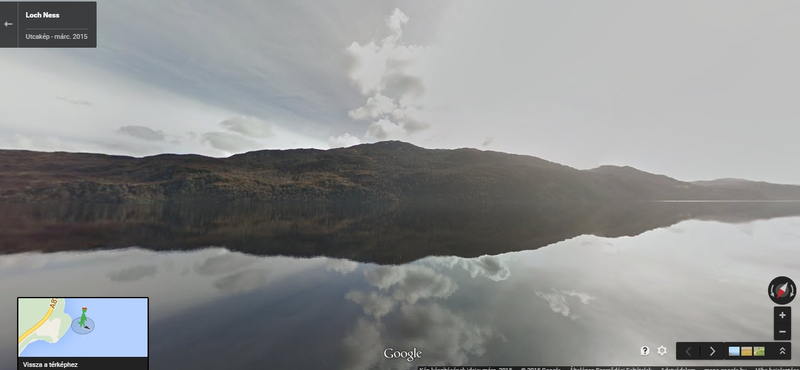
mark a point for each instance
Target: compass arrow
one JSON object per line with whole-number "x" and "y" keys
{"x": 782, "y": 289}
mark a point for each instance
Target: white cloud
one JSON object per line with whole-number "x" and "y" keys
{"x": 411, "y": 283}
{"x": 341, "y": 266}
{"x": 396, "y": 21}
{"x": 53, "y": 143}
{"x": 377, "y": 106}
{"x": 373, "y": 303}
{"x": 492, "y": 267}
{"x": 142, "y": 132}
{"x": 383, "y": 129}
{"x": 559, "y": 304}
{"x": 343, "y": 141}
{"x": 443, "y": 336}
{"x": 248, "y": 126}
{"x": 384, "y": 69}
{"x": 231, "y": 143}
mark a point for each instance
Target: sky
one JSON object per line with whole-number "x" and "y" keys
{"x": 694, "y": 90}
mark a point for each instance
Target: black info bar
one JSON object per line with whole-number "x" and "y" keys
{"x": 608, "y": 368}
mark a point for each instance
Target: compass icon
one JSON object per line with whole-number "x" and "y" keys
{"x": 782, "y": 290}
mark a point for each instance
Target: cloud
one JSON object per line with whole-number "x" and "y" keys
{"x": 134, "y": 273}
{"x": 443, "y": 336}
{"x": 341, "y": 266}
{"x": 492, "y": 267}
{"x": 343, "y": 141}
{"x": 142, "y": 132}
{"x": 487, "y": 142}
{"x": 384, "y": 129}
{"x": 558, "y": 301}
{"x": 373, "y": 303}
{"x": 363, "y": 347}
{"x": 231, "y": 143}
{"x": 403, "y": 85}
{"x": 243, "y": 281}
{"x": 74, "y": 101}
{"x": 396, "y": 21}
{"x": 57, "y": 144}
{"x": 409, "y": 120}
{"x": 223, "y": 264}
{"x": 411, "y": 283}
{"x": 382, "y": 69}
{"x": 248, "y": 126}
{"x": 377, "y": 106}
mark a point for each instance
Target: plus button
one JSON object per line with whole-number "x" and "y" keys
{"x": 782, "y": 315}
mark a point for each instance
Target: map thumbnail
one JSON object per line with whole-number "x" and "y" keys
{"x": 82, "y": 327}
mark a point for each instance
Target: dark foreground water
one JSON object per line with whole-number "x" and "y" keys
{"x": 501, "y": 285}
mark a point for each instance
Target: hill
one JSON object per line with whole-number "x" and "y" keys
{"x": 384, "y": 171}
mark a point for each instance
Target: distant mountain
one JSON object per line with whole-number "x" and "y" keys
{"x": 773, "y": 191}
{"x": 384, "y": 171}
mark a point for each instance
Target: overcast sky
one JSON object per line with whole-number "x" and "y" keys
{"x": 691, "y": 89}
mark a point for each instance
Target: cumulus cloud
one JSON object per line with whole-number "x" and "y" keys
{"x": 384, "y": 129}
{"x": 411, "y": 283}
{"x": 403, "y": 85}
{"x": 341, "y": 266}
{"x": 557, "y": 300}
{"x": 373, "y": 303}
{"x": 444, "y": 336}
{"x": 142, "y": 132}
{"x": 395, "y": 22}
{"x": 382, "y": 72}
{"x": 492, "y": 267}
{"x": 361, "y": 346}
{"x": 343, "y": 141}
{"x": 377, "y": 106}
{"x": 410, "y": 119}
{"x": 248, "y": 126}
{"x": 228, "y": 142}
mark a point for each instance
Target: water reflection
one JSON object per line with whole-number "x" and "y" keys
{"x": 583, "y": 300}
{"x": 377, "y": 233}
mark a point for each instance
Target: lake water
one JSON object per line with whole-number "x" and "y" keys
{"x": 332, "y": 286}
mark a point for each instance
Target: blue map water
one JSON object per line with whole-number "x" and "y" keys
{"x": 120, "y": 330}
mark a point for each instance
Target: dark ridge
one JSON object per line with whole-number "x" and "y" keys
{"x": 378, "y": 172}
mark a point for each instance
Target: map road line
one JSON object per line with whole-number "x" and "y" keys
{"x": 33, "y": 329}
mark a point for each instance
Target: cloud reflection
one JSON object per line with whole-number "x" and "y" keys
{"x": 244, "y": 281}
{"x": 444, "y": 336}
{"x": 557, "y": 300}
{"x": 492, "y": 267}
{"x": 341, "y": 266}
{"x": 134, "y": 273}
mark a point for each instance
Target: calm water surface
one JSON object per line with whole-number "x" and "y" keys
{"x": 655, "y": 277}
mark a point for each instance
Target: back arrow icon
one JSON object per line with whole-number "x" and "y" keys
{"x": 8, "y": 24}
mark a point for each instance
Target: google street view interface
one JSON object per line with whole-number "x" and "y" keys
{"x": 399, "y": 184}
{"x": 60, "y": 332}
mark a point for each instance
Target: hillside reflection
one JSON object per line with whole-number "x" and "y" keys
{"x": 379, "y": 233}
